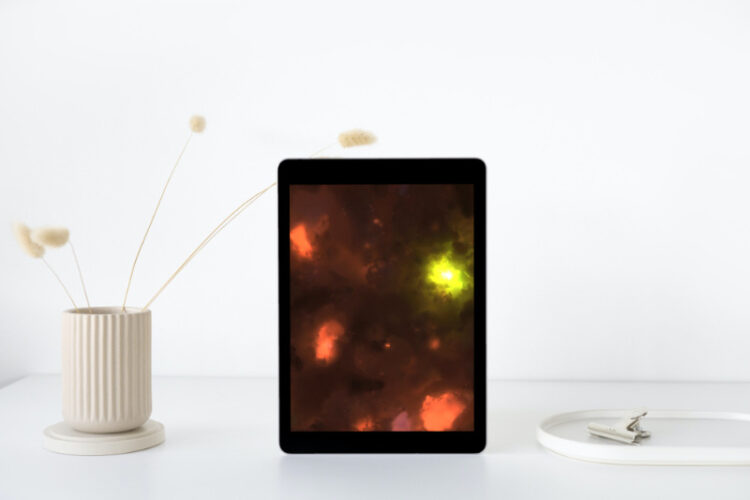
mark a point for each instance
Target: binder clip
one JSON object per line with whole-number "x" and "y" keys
{"x": 626, "y": 431}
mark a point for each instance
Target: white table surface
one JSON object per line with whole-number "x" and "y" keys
{"x": 222, "y": 443}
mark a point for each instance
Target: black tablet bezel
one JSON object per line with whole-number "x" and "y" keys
{"x": 384, "y": 171}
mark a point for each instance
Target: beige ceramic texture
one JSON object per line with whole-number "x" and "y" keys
{"x": 106, "y": 369}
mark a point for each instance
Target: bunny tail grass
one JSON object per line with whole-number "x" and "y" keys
{"x": 23, "y": 237}
{"x": 61, "y": 283}
{"x": 80, "y": 274}
{"x": 356, "y": 137}
{"x": 153, "y": 216}
{"x": 349, "y": 139}
{"x": 53, "y": 237}
{"x": 229, "y": 218}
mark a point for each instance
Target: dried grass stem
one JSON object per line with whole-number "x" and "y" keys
{"x": 229, "y": 218}
{"x": 153, "y": 216}
{"x": 80, "y": 274}
{"x": 61, "y": 283}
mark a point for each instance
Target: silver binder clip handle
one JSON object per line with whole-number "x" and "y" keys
{"x": 626, "y": 431}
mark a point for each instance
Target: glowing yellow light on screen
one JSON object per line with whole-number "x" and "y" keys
{"x": 447, "y": 276}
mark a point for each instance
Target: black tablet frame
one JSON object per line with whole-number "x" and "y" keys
{"x": 384, "y": 171}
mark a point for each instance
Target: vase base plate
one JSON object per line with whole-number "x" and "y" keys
{"x": 61, "y": 438}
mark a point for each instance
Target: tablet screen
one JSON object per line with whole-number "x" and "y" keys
{"x": 381, "y": 307}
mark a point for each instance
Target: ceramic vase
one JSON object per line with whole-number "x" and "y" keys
{"x": 106, "y": 369}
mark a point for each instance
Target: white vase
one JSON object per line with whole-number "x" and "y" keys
{"x": 106, "y": 369}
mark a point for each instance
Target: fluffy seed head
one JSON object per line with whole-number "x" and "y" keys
{"x": 23, "y": 236}
{"x": 197, "y": 124}
{"x": 50, "y": 236}
{"x": 356, "y": 137}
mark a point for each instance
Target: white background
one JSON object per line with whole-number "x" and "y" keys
{"x": 615, "y": 134}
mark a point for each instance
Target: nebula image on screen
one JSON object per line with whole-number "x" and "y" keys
{"x": 382, "y": 307}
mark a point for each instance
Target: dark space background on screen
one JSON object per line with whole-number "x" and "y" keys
{"x": 382, "y": 313}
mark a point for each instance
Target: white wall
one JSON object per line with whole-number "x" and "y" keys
{"x": 616, "y": 136}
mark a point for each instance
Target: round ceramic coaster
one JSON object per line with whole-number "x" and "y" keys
{"x": 61, "y": 438}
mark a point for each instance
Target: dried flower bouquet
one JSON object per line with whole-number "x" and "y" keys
{"x": 34, "y": 242}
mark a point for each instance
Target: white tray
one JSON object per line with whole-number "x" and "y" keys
{"x": 678, "y": 437}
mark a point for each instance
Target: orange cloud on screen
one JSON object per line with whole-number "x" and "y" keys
{"x": 300, "y": 242}
{"x": 325, "y": 341}
{"x": 439, "y": 413}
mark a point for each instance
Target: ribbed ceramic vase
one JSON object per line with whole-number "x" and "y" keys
{"x": 106, "y": 369}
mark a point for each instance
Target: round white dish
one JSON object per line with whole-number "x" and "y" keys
{"x": 678, "y": 437}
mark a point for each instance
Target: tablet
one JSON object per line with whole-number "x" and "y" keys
{"x": 382, "y": 305}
